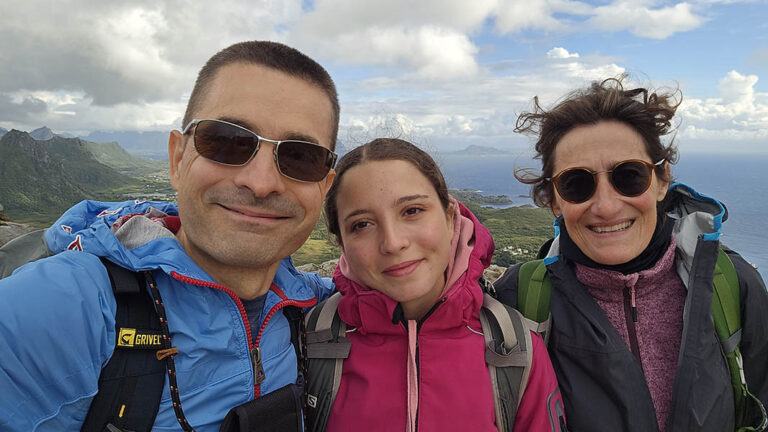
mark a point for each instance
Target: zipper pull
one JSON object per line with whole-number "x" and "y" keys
{"x": 633, "y": 303}
{"x": 258, "y": 368}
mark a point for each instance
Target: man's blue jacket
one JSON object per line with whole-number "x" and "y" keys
{"x": 57, "y": 322}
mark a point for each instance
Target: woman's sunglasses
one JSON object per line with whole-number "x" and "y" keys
{"x": 229, "y": 144}
{"x": 630, "y": 178}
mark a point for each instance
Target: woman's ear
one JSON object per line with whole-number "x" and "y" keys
{"x": 554, "y": 206}
{"x": 664, "y": 184}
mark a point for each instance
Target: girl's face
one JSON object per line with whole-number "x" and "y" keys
{"x": 395, "y": 233}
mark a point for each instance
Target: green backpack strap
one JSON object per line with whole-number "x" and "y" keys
{"x": 508, "y": 355}
{"x": 327, "y": 347}
{"x": 726, "y": 313}
{"x": 534, "y": 289}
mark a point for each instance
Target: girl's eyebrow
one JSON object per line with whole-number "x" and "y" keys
{"x": 410, "y": 198}
{"x": 399, "y": 201}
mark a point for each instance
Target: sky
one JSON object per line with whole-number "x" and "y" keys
{"x": 442, "y": 73}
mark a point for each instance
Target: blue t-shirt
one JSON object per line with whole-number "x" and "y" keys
{"x": 253, "y": 309}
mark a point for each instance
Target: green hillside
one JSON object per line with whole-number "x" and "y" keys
{"x": 40, "y": 179}
{"x": 114, "y": 156}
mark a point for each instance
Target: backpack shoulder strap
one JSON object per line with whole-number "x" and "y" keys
{"x": 533, "y": 295}
{"x": 726, "y": 314}
{"x": 131, "y": 383}
{"x": 508, "y": 355}
{"x": 327, "y": 347}
{"x": 295, "y": 317}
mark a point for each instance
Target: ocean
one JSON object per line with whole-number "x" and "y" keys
{"x": 739, "y": 181}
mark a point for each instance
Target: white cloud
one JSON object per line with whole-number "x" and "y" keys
{"x": 635, "y": 16}
{"x": 481, "y": 109}
{"x": 517, "y": 15}
{"x": 417, "y": 68}
{"x": 561, "y": 53}
{"x": 427, "y": 51}
{"x": 739, "y": 113}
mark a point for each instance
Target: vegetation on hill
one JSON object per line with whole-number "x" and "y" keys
{"x": 41, "y": 179}
{"x": 114, "y": 156}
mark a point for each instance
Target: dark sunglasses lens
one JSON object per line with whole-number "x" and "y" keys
{"x": 303, "y": 161}
{"x": 631, "y": 178}
{"x": 224, "y": 143}
{"x": 576, "y": 185}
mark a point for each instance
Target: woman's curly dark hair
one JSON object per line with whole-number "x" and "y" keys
{"x": 647, "y": 112}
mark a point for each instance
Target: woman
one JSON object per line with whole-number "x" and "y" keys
{"x": 632, "y": 340}
{"x": 408, "y": 278}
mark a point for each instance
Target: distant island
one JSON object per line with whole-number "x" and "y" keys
{"x": 473, "y": 196}
{"x": 478, "y": 150}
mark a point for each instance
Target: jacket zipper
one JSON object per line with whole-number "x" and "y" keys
{"x": 253, "y": 348}
{"x": 630, "y": 314}
{"x": 418, "y": 364}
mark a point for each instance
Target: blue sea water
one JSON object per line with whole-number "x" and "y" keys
{"x": 739, "y": 181}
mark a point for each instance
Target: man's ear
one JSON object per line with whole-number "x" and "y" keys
{"x": 175, "y": 154}
{"x": 326, "y": 183}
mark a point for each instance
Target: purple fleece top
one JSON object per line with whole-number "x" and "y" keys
{"x": 660, "y": 296}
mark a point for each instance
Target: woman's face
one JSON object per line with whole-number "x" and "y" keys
{"x": 395, "y": 233}
{"x": 609, "y": 228}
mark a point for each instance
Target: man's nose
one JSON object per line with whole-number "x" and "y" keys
{"x": 260, "y": 174}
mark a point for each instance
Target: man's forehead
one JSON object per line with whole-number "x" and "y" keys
{"x": 269, "y": 102}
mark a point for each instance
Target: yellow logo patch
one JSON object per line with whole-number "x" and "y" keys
{"x": 139, "y": 339}
{"x": 126, "y": 337}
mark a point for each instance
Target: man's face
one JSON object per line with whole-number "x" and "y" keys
{"x": 250, "y": 216}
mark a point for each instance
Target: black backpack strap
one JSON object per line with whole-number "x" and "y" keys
{"x": 327, "y": 347}
{"x": 131, "y": 384}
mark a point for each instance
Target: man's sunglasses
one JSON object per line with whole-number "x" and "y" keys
{"x": 630, "y": 178}
{"x": 230, "y": 144}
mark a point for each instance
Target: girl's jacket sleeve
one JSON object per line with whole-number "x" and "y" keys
{"x": 541, "y": 407}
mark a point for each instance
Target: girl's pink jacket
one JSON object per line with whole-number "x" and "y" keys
{"x": 450, "y": 386}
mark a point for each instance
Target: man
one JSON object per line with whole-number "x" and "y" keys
{"x": 251, "y": 166}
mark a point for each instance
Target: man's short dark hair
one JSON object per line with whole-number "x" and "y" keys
{"x": 268, "y": 54}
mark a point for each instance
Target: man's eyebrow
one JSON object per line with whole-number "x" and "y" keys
{"x": 239, "y": 122}
{"x": 297, "y": 136}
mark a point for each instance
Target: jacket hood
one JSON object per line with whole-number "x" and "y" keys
{"x": 366, "y": 308}
{"x": 140, "y": 235}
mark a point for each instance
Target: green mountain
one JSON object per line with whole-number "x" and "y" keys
{"x": 113, "y": 155}
{"x": 44, "y": 178}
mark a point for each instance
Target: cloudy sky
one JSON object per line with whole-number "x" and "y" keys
{"x": 443, "y": 73}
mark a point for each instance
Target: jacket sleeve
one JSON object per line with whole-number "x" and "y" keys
{"x": 754, "y": 318}
{"x": 57, "y": 330}
{"x": 322, "y": 287}
{"x": 541, "y": 407}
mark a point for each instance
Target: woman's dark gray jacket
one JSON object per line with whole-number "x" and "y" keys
{"x": 602, "y": 383}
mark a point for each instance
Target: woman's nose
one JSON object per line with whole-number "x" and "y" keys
{"x": 606, "y": 201}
